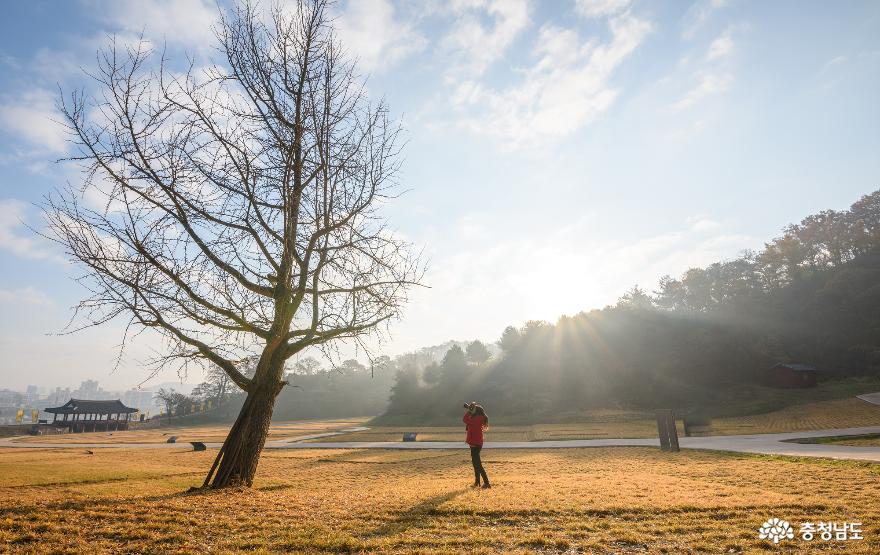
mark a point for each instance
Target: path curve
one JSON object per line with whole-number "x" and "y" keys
{"x": 764, "y": 444}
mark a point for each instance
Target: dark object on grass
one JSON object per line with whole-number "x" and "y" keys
{"x": 172, "y": 439}
{"x": 89, "y": 452}
{"x": 409, "y": 436}
{"x": 697, "y": 425}
{"x": 198, "y": 446}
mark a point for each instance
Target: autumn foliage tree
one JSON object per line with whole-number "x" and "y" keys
{"x": 239, "y": 205}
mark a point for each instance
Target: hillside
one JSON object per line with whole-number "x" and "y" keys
{"x": 700, "y": 343}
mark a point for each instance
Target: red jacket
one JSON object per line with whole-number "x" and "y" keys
{"x": 474, "y": 424}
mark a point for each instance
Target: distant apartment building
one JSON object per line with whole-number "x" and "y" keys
{"x": 140, "y": 399}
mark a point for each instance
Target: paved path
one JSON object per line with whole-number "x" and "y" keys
{"x": 768, "y": 444}
{"x": 873, "y": 398}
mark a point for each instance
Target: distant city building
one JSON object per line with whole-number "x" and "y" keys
{"x": 32, "y": 394}
{"x": 59, "y": 395}
{"x": 10, "y": 403}
{"x": 140, "y": 399}
{"x": 89, "y": 390}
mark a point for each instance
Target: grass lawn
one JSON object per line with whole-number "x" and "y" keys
{"x": 215, "y": 433}
{"x": 816, "y": 415}
{"x": 623, "y": 500}
{"x": 868, "y": 440}
{"x": 864, "y": 441}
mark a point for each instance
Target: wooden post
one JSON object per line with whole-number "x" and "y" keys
{"x": 673, "y": 433}
{"x": 661, "y": 430}
{"x": 666, "y": 430}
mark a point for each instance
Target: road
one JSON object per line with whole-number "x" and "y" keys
{"x": 766, "y": 444}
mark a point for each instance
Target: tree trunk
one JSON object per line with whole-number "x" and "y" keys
{"x": 236, "y": 463}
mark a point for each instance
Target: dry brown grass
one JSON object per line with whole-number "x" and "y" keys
{"x": 536, "y": 432}
{"x": 623, "y": 500}
{"x": 838, "y": 413}
{"x": 821, "y": 415}
{"x": 872, "y": 441}
{"x": 278, "y": 430}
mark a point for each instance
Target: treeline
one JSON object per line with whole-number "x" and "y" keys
{"x": 350, "y": 388}
{"x": 315, "y": 389}
{"x": 811, "y": 295}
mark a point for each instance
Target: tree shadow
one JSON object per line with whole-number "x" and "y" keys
{"x": 415, "y": 516}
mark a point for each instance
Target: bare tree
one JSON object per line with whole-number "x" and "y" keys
{"x": 240, "y": 206}
{"x": 217, "y": 385}
{"x": 170, "y": 398}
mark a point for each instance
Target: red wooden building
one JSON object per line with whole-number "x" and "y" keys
{"x": 80, "y": 415}
{"x": 792, "y": 375}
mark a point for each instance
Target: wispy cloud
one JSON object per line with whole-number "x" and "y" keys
{"x": 25, "y": 296}
{"x": 481, "y": 33}
{"x": 600, "y": 8}
{"x": 16, "y": 238}
{"x": 714, "y": 76}
{"x": 707, "y": 84}
{"x": 373, "y": 34}
{"x": 567, "y": 86}
{"x": 698, "y": 14}
{"x": 700, "y": 224}
{"x": 32, "y": 117}
{"x": 722, "y": 46}
{"x": 185, "y": 23}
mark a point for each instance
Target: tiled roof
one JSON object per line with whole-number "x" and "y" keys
{"x": 85, "y": 406}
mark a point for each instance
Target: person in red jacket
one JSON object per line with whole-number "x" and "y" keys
{"x": 476, "y": 421}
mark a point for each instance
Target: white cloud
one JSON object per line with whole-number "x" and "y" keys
{"x": 600, "y": 8}
{"x": 27, "y": 295}
{"x": 708, "y": 84}
{"x": 475, "y": 45}
{"x": 562, "y": 270}
{"x": 565, "y": 89}
{"x": 721, "y": 47}
{"x": 703, "y": 224}
{"x": 370, "y": 32}
{"x": 187, "y": 23}
{"x": 698, "y": 14}
{"x": 15, "y": 237}
{"x": 32, "y": 116}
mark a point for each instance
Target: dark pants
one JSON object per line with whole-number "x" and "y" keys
{"x": 478, "y": 465}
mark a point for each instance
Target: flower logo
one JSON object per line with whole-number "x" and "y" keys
{"x": 776, "y": 529}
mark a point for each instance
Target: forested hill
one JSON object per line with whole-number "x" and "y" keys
{"x": 811, "y": 295}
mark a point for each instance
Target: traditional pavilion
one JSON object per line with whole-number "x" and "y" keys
{"x": 80, "y": 415}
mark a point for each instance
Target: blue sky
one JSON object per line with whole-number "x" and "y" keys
{"x": 558, "y": 152}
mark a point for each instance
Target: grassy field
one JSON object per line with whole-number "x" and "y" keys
{"x": 816, "y": 415}
{"x": 625, "y": 500}
{"x": 868, "y": 440}
{"x": 215, "y": 433}
{"x": 836, "y": 413}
